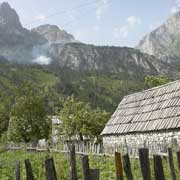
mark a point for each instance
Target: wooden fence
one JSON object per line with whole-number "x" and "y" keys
{"x": 122, "y": 164}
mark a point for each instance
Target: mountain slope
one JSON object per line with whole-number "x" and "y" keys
{"x": 117, "y": 60}
{"x": 53, "y": 34}
{"x": 13, "y": 75}
{"x": 164, "y": 42}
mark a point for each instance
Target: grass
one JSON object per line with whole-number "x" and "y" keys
{"x": 104, "y": 163}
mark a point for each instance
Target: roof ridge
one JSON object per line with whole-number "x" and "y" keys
{"x": 150, "y": 89}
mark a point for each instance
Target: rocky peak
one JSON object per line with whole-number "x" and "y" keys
{"x": 9, "y": 19}
{"x": 164, "y": 41}
{"x": 54, "y": 34}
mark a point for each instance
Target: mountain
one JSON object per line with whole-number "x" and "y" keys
{"x": 49, "y": 56}
{"x": 105, "y": 59}
{"x": 16, "y": 42}
{"x": 164, "y": 42}
{"x": 48, "y": 43}
{"x": 26, "y": 46}
{"x": 53, "y": 34}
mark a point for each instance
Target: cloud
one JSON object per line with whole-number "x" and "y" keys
{"x": 102, "y": 7}
{"x": 133, "y": 20}
{"x": 40, "y": 17}
{"x": 42, "y": 60}
{"x": 176, "y": 7}
{"x": 123, "y": 31}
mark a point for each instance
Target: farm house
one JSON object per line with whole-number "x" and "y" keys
{"x": 150, "y": 118}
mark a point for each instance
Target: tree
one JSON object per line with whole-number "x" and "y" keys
{"x": 4, "y": 118}
{"x": 79, "y": 119}
{"x": 97, "y": 122}
{"x": 29, "y": 120}
{"x": 153, "y": 81}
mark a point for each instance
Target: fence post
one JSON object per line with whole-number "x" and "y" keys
{"x": 171, "y": 163}
{"x": 50, "y": 169}
{"x": 73, "y": 172}
{"x": 119, "y": 169}
{"x": 158, "y": 168}
{"x": 29, "y": 173}
{"x": 94, "y": 174}
{"x": 144, "y": 163}
{"x": 127, "y": 167}
{"x": 178, "y": 159}
{"x": 89, "y": 174}
{"x": 17, "y": 171}
{"x": 85, "y": 167}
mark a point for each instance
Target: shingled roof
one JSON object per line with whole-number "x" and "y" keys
{"x": 146, "y": 111}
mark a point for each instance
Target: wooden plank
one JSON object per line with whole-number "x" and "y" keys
{"x": 50, "y": 169}
{"x": 171, "y": 164}
{"x": 17, "y": 171}
{"x": 158, "y": 168}
{"x": 85, "y": 167}
{"x": 73, "y": 171}
{"x": 29, "y": 173}
{"x": 178, "y": 159}
{"x": 144, "y": 163}
{"x": 127, "y": 167}
{"x": 94, "y": 174}
{"x": 119, "y": 169}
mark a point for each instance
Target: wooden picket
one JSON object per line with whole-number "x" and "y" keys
{"x": 144, "y": 163}
{"x": 122, "y": 164}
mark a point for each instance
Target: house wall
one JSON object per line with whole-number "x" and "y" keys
{"x": 157, "y": 142}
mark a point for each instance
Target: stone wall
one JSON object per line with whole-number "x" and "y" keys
{"x": 157, "y": 142}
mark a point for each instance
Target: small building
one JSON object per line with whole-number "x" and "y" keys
{"x": 150, "y": 118}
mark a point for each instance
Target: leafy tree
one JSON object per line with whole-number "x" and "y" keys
{"x": 4, "y": 118}
{"x": 79, "y": 119}
{"x": 97, "y": 122}
{"x": 153, "y": 81}
{"x": 29, "y": 119}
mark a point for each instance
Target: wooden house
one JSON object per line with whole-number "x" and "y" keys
{"x": 150, "y": 118}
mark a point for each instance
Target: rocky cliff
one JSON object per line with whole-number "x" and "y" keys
{"x": 54, "y": 35}
{"x": 164, "y": 42}
{"x": 121, "y": 60}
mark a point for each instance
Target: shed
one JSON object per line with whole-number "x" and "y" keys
{"x": 150, "y": 118}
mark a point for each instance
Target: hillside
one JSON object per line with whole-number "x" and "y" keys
{"x": 13, "y": 75}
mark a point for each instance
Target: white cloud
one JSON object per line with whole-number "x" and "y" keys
{"x": 40, "y": 17}
{"x": 43, "y": 60}
{"x": 102, "y": 6}
{"x": 123, "y": 31}
{"x": 176, "y": 7}
{"x": 133, "y": 20}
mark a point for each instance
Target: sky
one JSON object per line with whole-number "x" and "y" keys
{"x": 99, "y": 22}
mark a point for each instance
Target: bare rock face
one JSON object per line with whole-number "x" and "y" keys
{"x": 120, "y": 60}
{"x": 54, "y": 35}
{"x": 164, "y": 42}
{"x": 9, "y": 20}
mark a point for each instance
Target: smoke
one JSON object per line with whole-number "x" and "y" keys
{"x": 42, "y": 60}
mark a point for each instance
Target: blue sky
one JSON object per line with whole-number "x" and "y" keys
{"x": 100, "y": 22}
